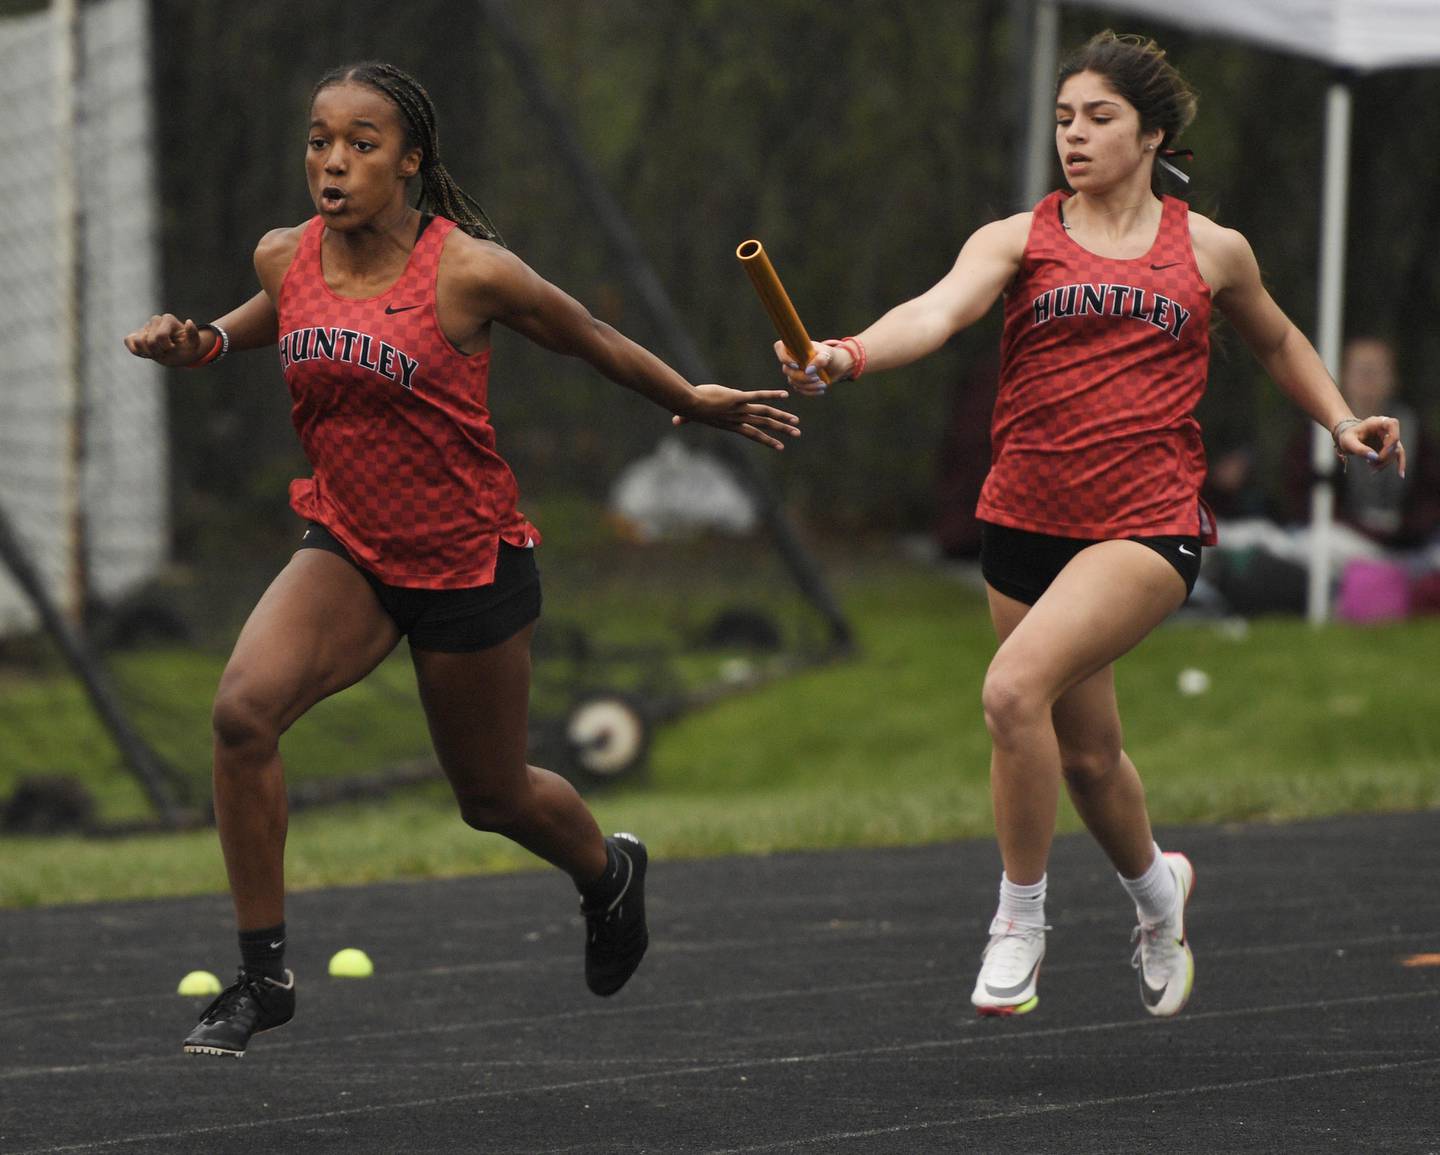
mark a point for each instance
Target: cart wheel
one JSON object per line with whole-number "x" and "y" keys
{"x": 607, "y": 735}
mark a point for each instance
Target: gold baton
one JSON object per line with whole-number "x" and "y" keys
{"x": 777, "y": 303}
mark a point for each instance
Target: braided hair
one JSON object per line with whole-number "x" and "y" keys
{"x": 438, "y": 191}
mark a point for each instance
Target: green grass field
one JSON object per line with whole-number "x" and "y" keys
{"x": 884, "y": 749}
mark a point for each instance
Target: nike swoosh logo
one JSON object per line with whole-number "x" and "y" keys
{"x": 629, "y": 878}
{"x": 399, "y": 308}
{"x": 624, "y": 890}
{"x": 1148, "y": 994}
{"x": 1187, "y": 552}
{"x": 277, "y": 945}
{"x": 1167, "y": 265}
{"x": 1011, "y": 992}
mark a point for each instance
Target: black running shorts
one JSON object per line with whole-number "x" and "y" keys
{"x": 453, "y": 621}
{"x": 1021, "y": 564}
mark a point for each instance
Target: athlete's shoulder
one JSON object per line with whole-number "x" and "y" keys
{"x": 1007, "y": 235}
{"x": 280, "y": 242}
{"x": 1223, "y": 254}
{"x": 274, "y": 253}
{"x": 473, "y": 261}
{"x": 1222, "y": 242}
{"x": 481, "y": 272}
{"x": 1017, "y": 224}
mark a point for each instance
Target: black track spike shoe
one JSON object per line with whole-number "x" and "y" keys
{"x": 615, "y": 931}
{"x": 249, "y": 1005}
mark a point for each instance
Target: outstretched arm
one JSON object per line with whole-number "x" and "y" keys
{"x": 497, "y": 285}
{"x": 919, "y": 326}
{"x": 1289, "y": 359}
{"x": 167, "y": 339}
{"x": 170, "y": 341}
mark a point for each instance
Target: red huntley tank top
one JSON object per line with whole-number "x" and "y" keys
{"x": 1103, "y": 361}
{"x": 393, "y": 419}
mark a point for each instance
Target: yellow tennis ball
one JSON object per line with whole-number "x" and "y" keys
{"x": 198, "y": 985}
{"x": 351, "y": 963}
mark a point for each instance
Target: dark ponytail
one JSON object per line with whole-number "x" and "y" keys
{"x": 438, "y": 191}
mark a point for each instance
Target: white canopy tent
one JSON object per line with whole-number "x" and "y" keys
{"x": 1350, "y": 35}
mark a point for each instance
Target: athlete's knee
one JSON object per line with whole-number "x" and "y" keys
{"x": 1087, "y": 766}
{"x": 242, "y": 724}
{"x": 495, "y": 812}
{"x": 1012, "y": 702}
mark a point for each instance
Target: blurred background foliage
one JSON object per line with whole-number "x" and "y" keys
{"x": 862, "y": 143}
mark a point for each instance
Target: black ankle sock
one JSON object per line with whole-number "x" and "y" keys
{"x": 604, "y": 887}
{"x": 262, "y": 952}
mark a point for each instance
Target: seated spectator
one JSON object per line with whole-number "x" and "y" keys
{"x": 1392, "y": 511}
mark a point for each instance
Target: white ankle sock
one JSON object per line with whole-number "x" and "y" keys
{"x": 1154, "y": 891}
{"x": 1022, "y": 905}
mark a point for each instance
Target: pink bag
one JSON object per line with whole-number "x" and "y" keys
{"x": 1374, "y": 591}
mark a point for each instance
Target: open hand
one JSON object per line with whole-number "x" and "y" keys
{"x": 742, "y": 412}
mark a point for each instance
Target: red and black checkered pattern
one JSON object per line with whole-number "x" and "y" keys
{"x": 1103, "y": 363}
{"x": 394, "y": 422}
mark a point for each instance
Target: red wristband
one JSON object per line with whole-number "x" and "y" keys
{"x": 216, "y": 351}
{"x": 856, "y": 349}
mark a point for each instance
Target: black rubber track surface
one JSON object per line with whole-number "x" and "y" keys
{"x": 800, "y": 1002}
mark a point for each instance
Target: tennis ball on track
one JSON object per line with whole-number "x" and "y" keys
{"x": 198, "y": 985}
{"x": 351, "y": 963}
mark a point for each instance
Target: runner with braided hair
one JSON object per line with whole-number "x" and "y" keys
{"x": 382, "y": 314}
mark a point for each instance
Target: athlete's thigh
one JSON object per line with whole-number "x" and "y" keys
{"x": 1006, "y": 613}
{"x": 478, "y": 708}
{"x": 1086, "y": 716}
{"x": 1100, "y": 606}
{"x": 317, "y": 629}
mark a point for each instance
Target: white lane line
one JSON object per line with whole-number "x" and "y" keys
{"x": 1081, "y": 1105}
{"x": 812, "y": 1059}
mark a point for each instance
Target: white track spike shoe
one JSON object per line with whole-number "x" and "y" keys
{"x": 1011, "y": 968}
{"x": 1162, "y": 954}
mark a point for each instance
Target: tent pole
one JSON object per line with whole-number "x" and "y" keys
{"x": 66, "y": 15}
{"x": 1040, "y": 129}
{"x": 1330, "y": 320}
